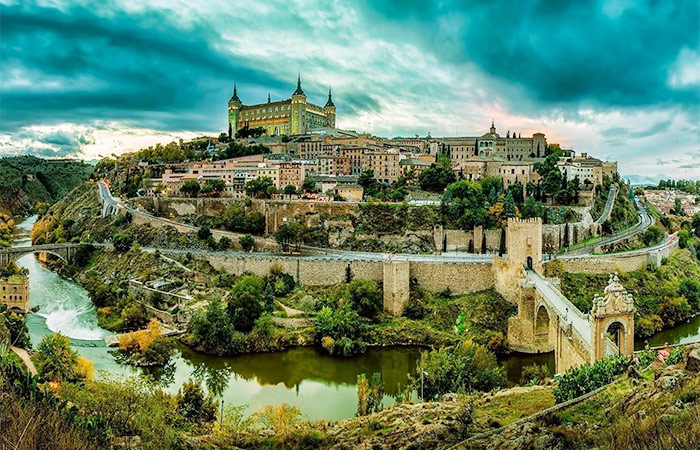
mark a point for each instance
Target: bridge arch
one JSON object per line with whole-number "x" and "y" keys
{"x": 616, "y": 331}
{"x": 542, "y": 332}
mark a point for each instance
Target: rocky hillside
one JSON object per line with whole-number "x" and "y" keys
{"x": 28, "y": 184}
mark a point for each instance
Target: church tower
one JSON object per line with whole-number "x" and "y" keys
{"x": 234, "y": 107}
{"x": 298, "y": 117}
{"x": 330, "y": 110}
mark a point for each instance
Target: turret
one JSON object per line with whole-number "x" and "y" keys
{"x": 330, "y": 110}
{"x": 492, "y": 130}
{"x": 298, "y": 118}
{"x": 234, "y": 107}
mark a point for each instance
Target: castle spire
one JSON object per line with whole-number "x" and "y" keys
{"x": 330, "y": 99}
{"x": 234, "y": 97}
{"x": 268, "y": 97}
{"x": 299, "y": 91}
{"x": 493, "y": 128}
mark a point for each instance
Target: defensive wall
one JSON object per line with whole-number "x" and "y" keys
{"x": 617, "y": 262}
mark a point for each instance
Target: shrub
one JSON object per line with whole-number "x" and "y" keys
{"x": 247, "y": 242}
{"x": 534, "y": 374}
{"x": 675, "y": 357}
{"x": 122, "y": 242}
{"x": 147, "y": 347}
{"x": 203, "y": 233}
{"x": 369, "y": 394}
{"x": 646, "y": 357}
{"x": 583, "y": 379}
{"x": 365, "y": 297}
{"x": 134, "y": 316}
{"x": 224, "y": 243}
{"x": 414, "y": 310}
{"x": 344, "y": 326}
{"x": 281, "y": 420}
{"x": 690, "y": 289}
{"x": 244, "y": 306}
{"x": 193, "y": 405}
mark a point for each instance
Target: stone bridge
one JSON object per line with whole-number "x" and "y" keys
{"x": 65, "y": 251}
{"x": 548, "y": 321}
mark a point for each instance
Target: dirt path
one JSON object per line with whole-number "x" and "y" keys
{"x": 291, "y": 312}
{"x": 24, "y": 356}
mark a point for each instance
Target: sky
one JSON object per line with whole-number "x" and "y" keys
{"x": 618, "y": 79}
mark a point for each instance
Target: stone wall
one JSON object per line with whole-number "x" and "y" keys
{"x": 459, "y": 277}
{"x": 604, "y": 263}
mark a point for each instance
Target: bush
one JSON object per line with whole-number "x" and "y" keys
{"x": 652, "y": 236}
{"x": 365, "y": 297}
{"x": 247, "y": 242}
{"x": 581, "y": 380}
{"x": 534, "y": 374}
{"x": 134, "y": 316}
{"x": 244, "y": 306}
{"x": 203, "y": 233}
{"x": 460, "y": 369}
{"x": 646, "y": 357}
{"x": 122, "y": 242}
{"x": 690, "y": 289}
{"x": 344, "y": 327}
{"x": 56, "y": 360}
{"x": 369, "y": 394}
{"x": 193, "y": 405}
{"x": 224, "y": 243}
{"x": 414, "y": 310}
{"x": 676, "y": 356}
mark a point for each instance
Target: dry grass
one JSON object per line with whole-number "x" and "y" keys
{"x": 28, "y": 427}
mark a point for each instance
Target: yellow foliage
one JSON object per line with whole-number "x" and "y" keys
{"x": 139, "y": 341}
{"x": 85, "y": 369}
{"x": 107, "y": 310}
{"x": 282, "y": 420}
{"x": 327, "y": 342}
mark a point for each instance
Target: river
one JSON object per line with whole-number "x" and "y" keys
{"x": 321, "y": 386}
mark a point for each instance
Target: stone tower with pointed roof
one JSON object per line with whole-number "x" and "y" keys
{"x": 292, "y": 116}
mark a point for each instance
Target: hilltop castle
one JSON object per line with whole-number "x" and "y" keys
{"x": 292, "y": 116}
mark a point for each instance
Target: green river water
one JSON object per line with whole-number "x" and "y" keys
{"x": 323, "y": 387}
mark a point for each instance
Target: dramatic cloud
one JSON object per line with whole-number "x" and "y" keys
{"x": 616, "y": 78}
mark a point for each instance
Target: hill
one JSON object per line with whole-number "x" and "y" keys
{"x": 29, "y": 184}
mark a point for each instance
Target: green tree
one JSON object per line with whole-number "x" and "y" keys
{"x": 464, "y": 368}
{"x": 532, "y": 209}
{"x": 247, "y": 242}
{"x": 55, "y": 359}
{"x": 190, "y": 188}
{"x": 367, "y": 180}
{"x": 464, "y": 204}
{"x": 193, "y": 405}
{"x": 234, "y": 217}
{"x": 212, "y": 327}
{"x": 340, "y": 331}
{"x": 690, "y": 289}
{"x": 438, "y": 175}
{"x": 551, "y": 176}
{"x": 122, "y": 242}
{"x": 365, "y": 297}
{"x": 290, "y": 189}
{"x": 678, "y": 207}
{"x": 292, "y": 233}
{"x": 244, "y": 305}
{"x": 652, "y": 236}
{"x": 369, "y": 394}
{"x": 696, "y": 224}
{"x": 509, "y": 208}
{"x": 258, "y": 187}
{"x": 203, "y": 233}
{"x": 309, "y": 185}
{"x": 224, "y": 243}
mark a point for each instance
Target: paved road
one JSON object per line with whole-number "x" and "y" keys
{"x": 456, "y": 257}
{"x": 608, "y": 204}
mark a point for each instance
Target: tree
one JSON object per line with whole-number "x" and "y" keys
{"x": 233, "y": 218}
{"x": 122, "y": 242}
{"x": 190, "y": 188}
{"x": 290, "y": 233}
{"x": 369, "y": 394}
{"x": 551, "y": 176}
{"x": 213, "y": 187}
{"x": 652, "y": 235}
{"x": 368, "y": 182}
{"x": 438, "y": 175}
{"x": 290, "y": 189}
{"x": 464, "y": 368}
{"x": 690, "y": 289}
{"x": 56, "y": 360}
{"x": 309, "y": 185}
{"x": 224, "y": 243}
{"x": 532, "y": 209}
{"x": 340, "y": 331}
{"x": 244, "y": 306}
{"x": 696, "y": 224}
{"x": 203, "y": 233}
{"x": 247, "y": 242}
{"x": 193, "y": 405}
{"x": 509, "y": 208}
{"x": 212, "y": 327}
{"x": 463, "y": 203}
{"x": 677, "y": 207}
{"x": 258, "y": 187}
{"x": 365, "y": 297}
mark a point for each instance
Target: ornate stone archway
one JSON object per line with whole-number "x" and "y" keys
{"x": 615, "y": 307}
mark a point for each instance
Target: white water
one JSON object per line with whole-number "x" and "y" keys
{"x": 65, "y": 306}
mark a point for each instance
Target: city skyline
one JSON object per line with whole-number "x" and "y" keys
{"x": 84, "y": 80}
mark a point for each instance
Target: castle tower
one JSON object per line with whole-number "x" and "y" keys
{"x": 330, "y": 110}
{"x": 297, "y": 120}
{"x": 612, "y": 322}
{"x": 492, "y": 130}
{"x": 234, "y": 106}
{"x": 524, "y": 242}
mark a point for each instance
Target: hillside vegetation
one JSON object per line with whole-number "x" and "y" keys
{"x": 28, "y": 184}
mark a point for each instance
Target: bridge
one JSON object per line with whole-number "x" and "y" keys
{"x": 64, "y": 251}
{"x": 548, "y": 321}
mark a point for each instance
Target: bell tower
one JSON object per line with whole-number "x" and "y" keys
{"x": 298, "y": 116}
{"x": 330, "y": 110}
{"x": 612, "y": 322}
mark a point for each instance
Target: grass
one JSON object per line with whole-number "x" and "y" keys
{"x": 507, "y": 409}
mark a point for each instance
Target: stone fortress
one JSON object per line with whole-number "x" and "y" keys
{"x": 292, "y": 116}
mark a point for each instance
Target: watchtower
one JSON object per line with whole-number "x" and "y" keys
{"x": 612, "y": 321}
{"x": 524, "y": 242}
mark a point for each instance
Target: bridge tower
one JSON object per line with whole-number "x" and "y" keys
{"x": 524, "y": 243}
{"x": 612, "y": 319}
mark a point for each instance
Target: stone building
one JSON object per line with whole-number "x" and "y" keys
{"x": 384, "y": 164}
{"x": 291, "y": 116}
{"x": 14, "y": 292}
{"x": 510, "y": 147}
